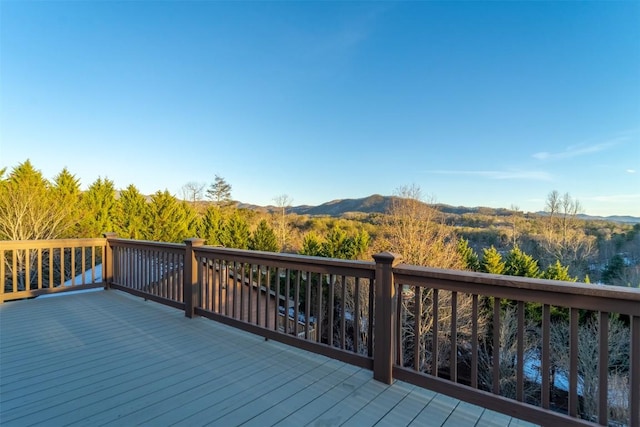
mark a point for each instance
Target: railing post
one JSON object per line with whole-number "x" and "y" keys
{"x": 384, "y": 317}
{"x": 107, "y": 260}
{"x": 191, "y": 291}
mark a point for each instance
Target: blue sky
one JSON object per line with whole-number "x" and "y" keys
{"x": 479, "y": 103}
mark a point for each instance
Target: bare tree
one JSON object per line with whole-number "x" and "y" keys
{"x": 417, "y": 231}
{"x": 563, "y": 238}
{"x": 283, "y": 202}
{"x": 193, "y": 192}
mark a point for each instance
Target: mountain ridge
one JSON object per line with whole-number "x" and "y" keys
{"x": 377, "y": 203}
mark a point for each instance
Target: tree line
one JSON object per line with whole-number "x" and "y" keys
{"x": 555, "y": 246}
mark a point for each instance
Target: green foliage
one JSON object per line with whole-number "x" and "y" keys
{"x": 98, "y": 205}
{"x": 492, "y": 261}
{"x": 235, "y": 232}
{"x": 469, "y": 256}
{"x": 211, "y": 226}
{"x": 130, "y": 214}
{"x": 264, "y": 238}
{"x": 519, "y": 263}
{"x": 557, "y": 271}
{"x": 167, "y": 219}
{"x": 311, "y": 245}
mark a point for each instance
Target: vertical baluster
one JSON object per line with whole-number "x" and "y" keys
{"x": 276, "y": 306}
{"x": 250, "y": 294}
{"x": 546, "y": 364}
{"x": 73, "y": 265}
{"x": 287, "y": 289}
{"x": 330, "y": 309}
{"x": 603, "y": 368}
{"x": 14, "y": 266}
{"x": 520, "y": 354}
{"x": 474, "y": 341}
{"x": 319, "y": 314}
{"x": 51, "y": 269}
{"x": 434, "y": 339}
{"x": 573, "y": 362}
{"x": 296, "y": 304}
{"x": 83, "y": 260}
{"x": 371, "y": 295}
{"x": 259, "y": 293}
{"x": 93, "y": 263}
{"x": 62, "y": 266}
{"x": 343, "y": 314}
{"x": 307, "y": 306}
{"x": 398, "y": 345}
{"x": 27, "y": 270}
{"x": 357, "y": 316}
{"x": 243, "y": 291}
{"x": 417, "y": 329}
{"x": 453, "y": 362}
{"x": 267, "y": 324}
{"x": 496, "y": 346}
{"x": 634, "y": 375}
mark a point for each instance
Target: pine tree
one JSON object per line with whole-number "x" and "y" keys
{"x": 311, "y": 245}
{"x": 130, "y": 213}
{"x": 492, "y": 261}
{"x": 66, "y": 196}
{"x": 98, "y": 204}
{"x": 211, "y": 226}
{"x": 235, "y": 232}
{"x": 519, "y": 263}
{"x": 220, "y": 191}
{"x": 557, "y": 271}
{"x": 166, "y": 219}
{"x": 264, "y": 238}
{"x": 469, "y": 256}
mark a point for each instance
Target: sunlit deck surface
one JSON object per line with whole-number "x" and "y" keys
{"x": 106, "y": 357}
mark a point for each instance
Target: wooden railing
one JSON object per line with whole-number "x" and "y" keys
{"x": 518, "y": 346}
{"x": 32, "y": 268}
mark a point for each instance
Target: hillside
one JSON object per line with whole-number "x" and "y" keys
{"x": 380, "y": 204}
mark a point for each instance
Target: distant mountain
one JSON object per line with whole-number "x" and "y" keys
{"x": 380, "y": 204}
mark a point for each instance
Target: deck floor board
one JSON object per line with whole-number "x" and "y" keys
{"x": 108, "y": 358}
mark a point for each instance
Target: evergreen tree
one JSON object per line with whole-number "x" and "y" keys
{"x": 220, "y": 191}
{"x": 492, "y": 261}
{"x": 469, "y": 256}
{"x": 614, "y": 271}
{"x": 66, "y": 196}
{"x": 311, "y": 245}
{"x": 211, "y": 226}
{"x": 166, "y": 219}
{"x": 98, "y": 205}
{"x": 557, "y": 271}
{"x": 519, "y": 263}
{"x": 130, "y": 214}
{"x": 235, "y": 232}
{"x": 264, "y": 238}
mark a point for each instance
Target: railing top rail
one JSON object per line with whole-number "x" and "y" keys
{"x": 521, "y": 288}
{"x": 56, "y": 243}
{"x": 362, "y": 268}
{"x": 146, "y": 243}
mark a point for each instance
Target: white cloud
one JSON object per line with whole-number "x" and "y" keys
{"x": 631, "y": 171}
{"x": 615, "y": 198}
{"x": 499, "y": 175}
{"x": 580, "y": 150}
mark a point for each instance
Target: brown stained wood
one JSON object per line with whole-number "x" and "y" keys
{"x": 520, "y": 354}
{"x": 358, "y": 319}
{"x": 573, "y": 362}
{"x": 434, "y": 336}
{"x": 545, "y": 370}
{"x": 603, "y": 367}
{"x": 474, "y": 341}
{"x": 453, "y": 360}
{"x": 495, "y": 362}
{"x": 417, "y": 327}
{"x": 343, "y": 329}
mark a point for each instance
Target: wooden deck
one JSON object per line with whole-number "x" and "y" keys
{"x": 107, "y": 358}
